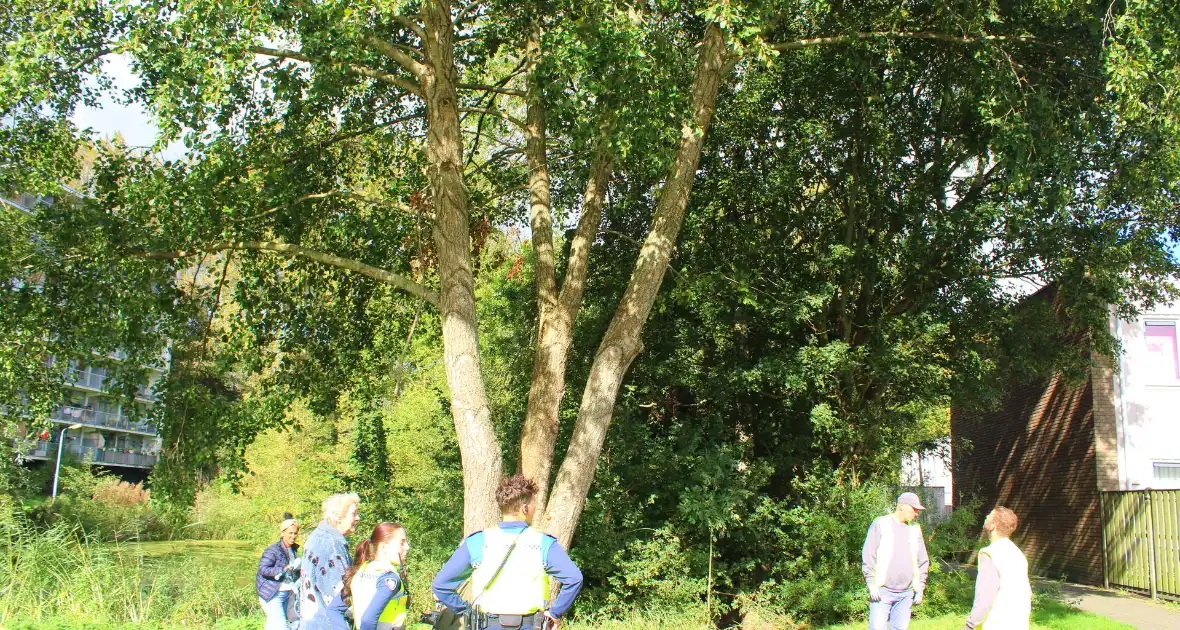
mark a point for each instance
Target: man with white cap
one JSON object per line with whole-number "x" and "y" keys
{"x": 895, "y": 565}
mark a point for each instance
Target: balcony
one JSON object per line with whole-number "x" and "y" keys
{"x": 101, "y": 420}
{"x": 47, "y": 449}
{"x": 95, "y": 379}
{"x": 87, "y": 378}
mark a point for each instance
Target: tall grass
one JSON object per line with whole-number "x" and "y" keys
{"x": 58, "y": 573}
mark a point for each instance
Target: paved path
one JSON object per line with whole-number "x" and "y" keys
{"x": 1133, "y": 610}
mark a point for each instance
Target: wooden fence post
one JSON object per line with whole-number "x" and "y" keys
{"x": 1151, "y": 547}
{"x": 1102, "y": 525}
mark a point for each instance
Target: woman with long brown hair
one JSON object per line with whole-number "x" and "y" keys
{"x": 376, "y": 581}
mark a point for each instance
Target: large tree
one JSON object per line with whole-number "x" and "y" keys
{"x": 330, "y": 140}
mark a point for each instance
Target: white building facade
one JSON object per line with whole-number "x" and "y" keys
{"x": 112, "y": 433}
{"x": 1146, "y": 391}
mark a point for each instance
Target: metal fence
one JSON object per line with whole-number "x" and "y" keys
{"x": 1141, "y": 540}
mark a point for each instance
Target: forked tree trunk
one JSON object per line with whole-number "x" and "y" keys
{"x": 622, "y": 343}
{"x": 538, "y": 438}
{"x": 478, "y": 447}
{"x": 557, "y": 311}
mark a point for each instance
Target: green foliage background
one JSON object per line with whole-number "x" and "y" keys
{"x": 865, "y": 204}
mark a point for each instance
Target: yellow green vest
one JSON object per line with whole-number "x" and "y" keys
{"x": 522, "y": 587}
{"x": 1013, "y": 605}
{"x": 364, "y": 587}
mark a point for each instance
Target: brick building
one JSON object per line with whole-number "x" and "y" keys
{"x": 1053, "y": 445}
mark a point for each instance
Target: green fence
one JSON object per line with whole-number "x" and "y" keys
{"x": 1141, "y": 540}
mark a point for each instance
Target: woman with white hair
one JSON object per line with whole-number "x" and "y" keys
{"x": 325, "y": 559}
{"x": 276, "y": 578}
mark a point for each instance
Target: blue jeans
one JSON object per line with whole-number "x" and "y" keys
{"x": 893, "y": 608}
{"x": 276, "y": 611}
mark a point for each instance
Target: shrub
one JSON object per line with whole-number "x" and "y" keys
{"x": 655, "y": 573}
{"x": 116, "y": 492}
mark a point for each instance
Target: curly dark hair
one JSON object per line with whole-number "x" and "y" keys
{"x": 514, "y": 492}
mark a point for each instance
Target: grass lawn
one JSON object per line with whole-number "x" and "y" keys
{"x": 1047, "y": 615}
{"x": 210, "y": 584}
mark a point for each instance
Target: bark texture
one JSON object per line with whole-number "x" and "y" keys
{"x": 538, "y": 438}
{"x": 478, "y": 447}
{"x": 557, "y": 310}
{"x": 622, "y": 342}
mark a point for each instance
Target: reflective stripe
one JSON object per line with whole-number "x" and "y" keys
{"x": 522, "y": 587}
{"x": 1013, "y": 605}
{"x": 364, "y": 588}
{"x": 885, "y": 550}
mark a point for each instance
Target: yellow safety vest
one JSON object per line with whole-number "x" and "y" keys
{"x": 364, "y": 587}
{"x": 522, "y": 587}
{"x": 1013, "y": 604}
{"x": 885, "y": 549}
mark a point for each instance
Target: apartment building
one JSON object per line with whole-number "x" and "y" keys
{"x": 111, "y": 431}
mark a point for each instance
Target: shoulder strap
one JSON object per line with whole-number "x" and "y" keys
{"x": 500, "y": 568}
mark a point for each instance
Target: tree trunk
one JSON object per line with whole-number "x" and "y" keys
{"x": 538, "y": 438}
{"x": 557, "y": 312}
{"x": 478, "y": 447}
{"x": 622, "y": 343}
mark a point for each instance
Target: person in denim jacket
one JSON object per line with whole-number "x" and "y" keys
{"x": 325, "y": 559}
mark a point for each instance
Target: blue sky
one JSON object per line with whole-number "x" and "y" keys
{"x": 113, "y": 117}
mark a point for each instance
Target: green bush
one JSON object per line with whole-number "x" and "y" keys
{"x": 103, "y": 507}
{"x": 654, "y": 574}
{"x": 808, "y": 549}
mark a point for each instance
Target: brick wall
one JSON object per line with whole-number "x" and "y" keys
{"x": 1106, "y": 450}
{"x": 1036, "y": 455}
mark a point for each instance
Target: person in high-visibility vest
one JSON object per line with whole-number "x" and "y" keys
{"x": 511, "y": 568}
{"x": 1003, "y": 595}
{"x": 376, "y": 582}
{"x": 895, "y": 565}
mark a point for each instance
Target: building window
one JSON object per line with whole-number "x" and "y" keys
{"x": 1163, "y": 360}
{"x": 1168, "y": 472}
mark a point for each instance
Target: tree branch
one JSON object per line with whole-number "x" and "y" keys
{"x": 574, "y": 283}
{"x": 943, "y": 37}
{"x": 345, "y": 195}
{"x": 497, "y": 114}
{"x": 98, "y": 54}
{"x": 410, "y": 24}
{"x": 540, "y": 207}
{"x": 384, "y": 77}
{"x": 491, "y": 88}
{"x": 298, "y": 251}
{"x": 493, "y": 159}
{"x": 364, "y": 130}
{"x": 411, "y": 65}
